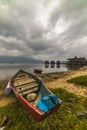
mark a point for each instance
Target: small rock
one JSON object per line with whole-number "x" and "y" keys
{"x": 81, "y": 114}
{"x": 2, "y": 128}
{"x": 85, "y": 111}
{"x": 69, "y": 112}
{"x": 4, "y": 121}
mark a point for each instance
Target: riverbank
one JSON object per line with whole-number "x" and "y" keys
{"x": 52, "y": 80}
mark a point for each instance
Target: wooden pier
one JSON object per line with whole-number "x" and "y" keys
{"x": 52, "y": 64}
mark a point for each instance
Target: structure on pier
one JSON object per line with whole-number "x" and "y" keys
{"x": 77, "y": 61}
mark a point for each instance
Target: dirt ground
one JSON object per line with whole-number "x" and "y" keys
{"x": 6, "y": 100}
{"x": 62, "y": 83}
{"x": 52, "y": 80}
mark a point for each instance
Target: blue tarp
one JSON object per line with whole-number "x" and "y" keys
{"x": 54, "y": 99}
{"x": 47, "y": 102}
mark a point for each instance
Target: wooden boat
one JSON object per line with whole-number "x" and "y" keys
{"x": 29, "y": 90}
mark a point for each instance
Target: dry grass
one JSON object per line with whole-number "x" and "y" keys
{"x": 61, "y": 82}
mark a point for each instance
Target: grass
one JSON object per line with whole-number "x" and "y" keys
{"x": 64, "y": 119}
{"x": 81, "y": 80}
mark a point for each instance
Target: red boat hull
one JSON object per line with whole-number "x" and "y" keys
{"x": 33, "y": 110}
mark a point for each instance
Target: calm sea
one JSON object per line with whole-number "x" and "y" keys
{"x": 8, "y": 70}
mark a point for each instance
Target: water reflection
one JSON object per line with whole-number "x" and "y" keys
{"x": 8, "y": 70}
{"x": 74, "y": 67}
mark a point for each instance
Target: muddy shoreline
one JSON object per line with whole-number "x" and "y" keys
{"x": 52, "y": 80}
{"x": 49, "y": 77}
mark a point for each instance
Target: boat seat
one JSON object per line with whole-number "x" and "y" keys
{"x": 22, "y": 78}
{"x": 28, "y": 88}
{"x": 33, "y": 90}
{"x": 23, "y": 85}
{"x": 15, "y": 84}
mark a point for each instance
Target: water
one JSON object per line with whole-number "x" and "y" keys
{"x": 8, "y": 70}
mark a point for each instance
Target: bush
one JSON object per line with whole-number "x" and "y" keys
{"x": 81, "y": 80}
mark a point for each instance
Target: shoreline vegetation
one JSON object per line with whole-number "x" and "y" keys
{"x": 74, "y": 101}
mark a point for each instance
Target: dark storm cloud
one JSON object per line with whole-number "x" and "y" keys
{"x": 43, "y": 28}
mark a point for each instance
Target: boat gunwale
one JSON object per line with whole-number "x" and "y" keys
{"x": 31, "y": 105}
{"x": 26, "y": 101}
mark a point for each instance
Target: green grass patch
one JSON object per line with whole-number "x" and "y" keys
{"x": 64, "y": 119}
{"x": 81, "y": 80}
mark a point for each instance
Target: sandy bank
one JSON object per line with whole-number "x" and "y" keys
{"x": 61, "y": 82}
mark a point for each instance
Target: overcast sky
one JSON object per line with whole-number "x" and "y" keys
{"x": 43, "y": 29}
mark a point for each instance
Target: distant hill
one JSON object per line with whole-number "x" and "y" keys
{"x": 12, "y": 59}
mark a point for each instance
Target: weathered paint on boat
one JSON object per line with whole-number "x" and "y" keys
{"x": 31, "y": 106}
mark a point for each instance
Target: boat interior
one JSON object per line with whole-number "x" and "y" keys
{"x": 29, "y": 86}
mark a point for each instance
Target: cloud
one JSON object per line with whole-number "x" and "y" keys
{"x": 43, "y": 29}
